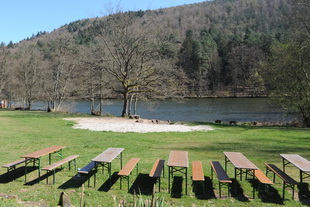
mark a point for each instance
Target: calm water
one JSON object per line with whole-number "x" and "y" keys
{"x": 225, "y": 109}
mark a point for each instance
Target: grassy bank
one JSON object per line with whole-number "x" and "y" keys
{"x": 23, "y": 132}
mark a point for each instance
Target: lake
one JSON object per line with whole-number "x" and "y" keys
{"x": 190, "y": 110}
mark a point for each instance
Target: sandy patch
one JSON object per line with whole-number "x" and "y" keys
{"x": 130, "y": 125}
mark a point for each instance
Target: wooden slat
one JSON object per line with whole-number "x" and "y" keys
{"x": 12, "y": 164}
{"x": 220, "y": 172}
{"x": 262, "y": 177}
{"x": 240, "y": 161}
{"x": 108, "y": 155}
{"x": 178, "y": 159}
{"x": 286, "y": 178}
{"x": 87, "y": 168}
{"x": 60, "y": 162}
{"x": 157, "y": 168}
{"x": 298, "y": 161}
{"x": 43, "y": 152}
{"x": 130, "y": 165}
{"x": 197, "y": 171}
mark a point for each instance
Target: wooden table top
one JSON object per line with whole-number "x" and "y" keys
{"x": 42, "y": 152}
{"x": 178, "y": 159}
{"x": 240, "y": 161}
{"x": 298, "y": 161}
{"x": 108, "y": 155}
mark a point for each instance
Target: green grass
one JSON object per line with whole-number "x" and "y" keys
{"x": 22, "y": 132}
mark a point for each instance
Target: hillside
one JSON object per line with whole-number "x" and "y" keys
{"x": 209, "y": 49}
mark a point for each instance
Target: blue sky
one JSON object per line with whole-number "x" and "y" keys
{"x": 20, "y": 19}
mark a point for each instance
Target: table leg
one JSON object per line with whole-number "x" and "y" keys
{"x": 121, "y": 160}
{"x": 26, "y": 170}
{"x": 109, "y": 170}
{"x": 169, "y": 178}
{"x": 39, "y": 168}
{"x": 300, "y": 173}
{"x": 96, "y": 169}
{"x": 186, "y": 180}
{"x": 226, "y": 164}
{"x": 283, "y": 162}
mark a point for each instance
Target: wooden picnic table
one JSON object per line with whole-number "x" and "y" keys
{"x": 177, "y": 162}
{"x": 240, "y": 162}
{"x": 105, "y": 160}
{"x": 35, "y": 157}
{"x": 298, "y": 161}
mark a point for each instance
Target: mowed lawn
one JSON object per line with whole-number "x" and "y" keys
{"x": 23, "y": 132}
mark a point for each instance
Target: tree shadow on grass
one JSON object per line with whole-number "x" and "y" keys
{"x": 107, "y": 185}
{"x": 266, "y": 193}
{"x": 304, "y": 193}
{"x": 204, "y": 190}
{"x": 143, "y": 184}
{"x": 237, "y": 192}
{"x": 15, "y": 174}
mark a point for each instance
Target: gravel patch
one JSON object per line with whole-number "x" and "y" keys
{"x": 131, "y": 125}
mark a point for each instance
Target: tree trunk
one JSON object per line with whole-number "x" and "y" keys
{"x": 100, "y": 101}
{"x": 125, "y": 105}
{"x": 306, "y": 121}
{"x": 135, "y": 105}
{"x": 130, "y": 104}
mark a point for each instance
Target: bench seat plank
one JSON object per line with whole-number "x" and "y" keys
{"x": 220, "y": 172}
{"x": 197, "y": 171}
{"x": 17, "y": 162}
{"x": 87, "y": 168}
{"x": 60, "y": 162}
{"x": 157, "y": 168}
{"x": 262, "y": 177}
{"x": 286, "y": 178}
{"x": 130, "y": 165}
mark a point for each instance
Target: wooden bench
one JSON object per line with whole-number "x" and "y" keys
{"x": 59, "y": 163}
{"x": 221, "y": 175}
{"x": 86, "y": 171}
{"x": 157, "y": 168}
{"x": 197, "y": 173}
{"x": 287, "y": 180}
{"x": 127, "y": 169}
{"x": 12, "y": 166}
{"x": 262, "y": 178}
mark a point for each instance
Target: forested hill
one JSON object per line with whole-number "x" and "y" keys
{"x": 212, "y": 49}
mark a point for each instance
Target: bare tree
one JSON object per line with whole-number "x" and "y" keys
{"x": 27, "y": 73}
{"x": 4, "y": 65}
{"x": 131, "y": 55}
{"x": 95, "y": 78}
{"x": 62, "y": 61}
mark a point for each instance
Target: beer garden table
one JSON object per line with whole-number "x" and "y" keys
{"x": 177, "y": 162}
{"x": 35, "y": 157}
{"x": 105, "y": 159}
{"x": 298, "y": 161}
{"x": 240, "y": 162}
